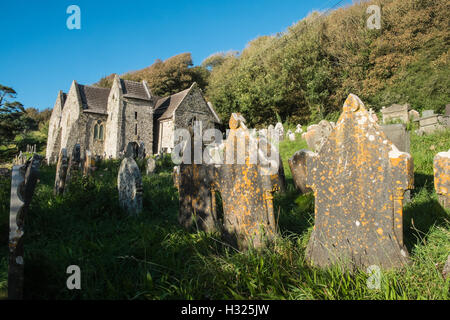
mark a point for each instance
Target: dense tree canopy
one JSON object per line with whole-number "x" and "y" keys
{"x": 305, "y": 73}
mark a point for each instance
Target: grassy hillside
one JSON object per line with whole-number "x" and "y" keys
{"x": 152, "y": 257}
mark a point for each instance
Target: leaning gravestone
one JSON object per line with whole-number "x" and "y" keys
{"x": 129, "y": 183}
{"x": 297, "y": 164}
{"x": 61, "y": 172}
{"x": 442, "y": 177}
{"x": 151, "y": 166}
{"x": 359, "y": 178}
{"x": 23, "y": 183}
{"x": 74, "y": 165}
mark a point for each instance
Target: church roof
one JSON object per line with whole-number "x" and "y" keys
{"x": 165, "y": 107}
{"x": 133, "y": 89}
{"x": 94, "y": 99}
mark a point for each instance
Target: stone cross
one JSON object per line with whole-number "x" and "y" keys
{"x": 23, "y": 183}
{"x": 129, "y": 183}
{"x": 61, "y": 172}
{"x": 359, "y": 178}
{"x": 442, "y": 177}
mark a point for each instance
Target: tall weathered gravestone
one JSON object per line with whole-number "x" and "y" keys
{"x": 23, "y": 183}
{"x": 129, "y": 183}
{"x": 442, "y": 177}
{"x": 359, "y": 178}
{"x": 247, "y": 190}
{"x": 197, "y": 192}
{"x": 61, "y": 172}
{"x": 73, "y": 166}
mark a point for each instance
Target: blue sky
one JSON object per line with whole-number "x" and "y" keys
{"x": 39, "y": 55}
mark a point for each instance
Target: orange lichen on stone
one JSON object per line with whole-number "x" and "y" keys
{"x": 359, "y": 204}
{"x": 442, "y": 177}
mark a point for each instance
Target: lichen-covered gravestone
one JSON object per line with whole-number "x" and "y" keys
{"x": 61, "y": 172}
{"x": 442, "y": 177}
{"x": 23, "y": 183}
{"x": 359, "y": 178}
{"x": 129, "y": 183}
{"x": 247, "y": 191}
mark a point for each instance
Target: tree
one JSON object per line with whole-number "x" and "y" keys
{"x": 11, "y": 114}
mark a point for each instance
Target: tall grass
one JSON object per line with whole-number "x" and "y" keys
{"x": 152, "y": 257}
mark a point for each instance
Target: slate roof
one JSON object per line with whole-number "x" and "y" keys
{"x": 165, "y": 107}
{"x": 94, "y": 99}
{"x": 133, "y": 89}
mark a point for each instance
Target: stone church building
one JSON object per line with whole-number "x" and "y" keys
{"x": 104, "y": 121}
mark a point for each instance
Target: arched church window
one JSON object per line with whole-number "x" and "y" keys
{"x": 96, "y": 131}
{"x": 100, "y": 134}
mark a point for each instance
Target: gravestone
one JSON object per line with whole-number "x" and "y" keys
{"x": 263, "y": 132}
{"x": 446, "y": 269}
{"x": 413, "y": 115}
{"x": 291, "y": 135}
{"x": 61, "y": 172}
{"x": 299, "y": 129}
{"x": 74, "y": 165}
{"x": 23, "y": 183}
{"x": 359, "y": 178}
{"x": 431, "y": 122}
{"x": 88, "y": 163}
{"x": 132, "y": 150}
{"x": 247, "y": 192}
{"x": 442, "y": 177}
{"x": 398, "y": 135}
{"x": 297, "y": 163}
{"x": 317, "y": 134}
{"x": 279, "y": 130}
{"x": 395, "y": 112}
{"x": 129, "y": 184}
{"x": 447, "y": 110}
{"x": 151, "y": 166}
{"x": 141, "y": 151}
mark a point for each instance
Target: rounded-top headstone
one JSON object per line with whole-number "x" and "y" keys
{"x": 129, "y": 183}
{"x": 151, "y": 166}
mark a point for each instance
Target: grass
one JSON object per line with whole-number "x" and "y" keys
{"x": 152, "y": 257}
